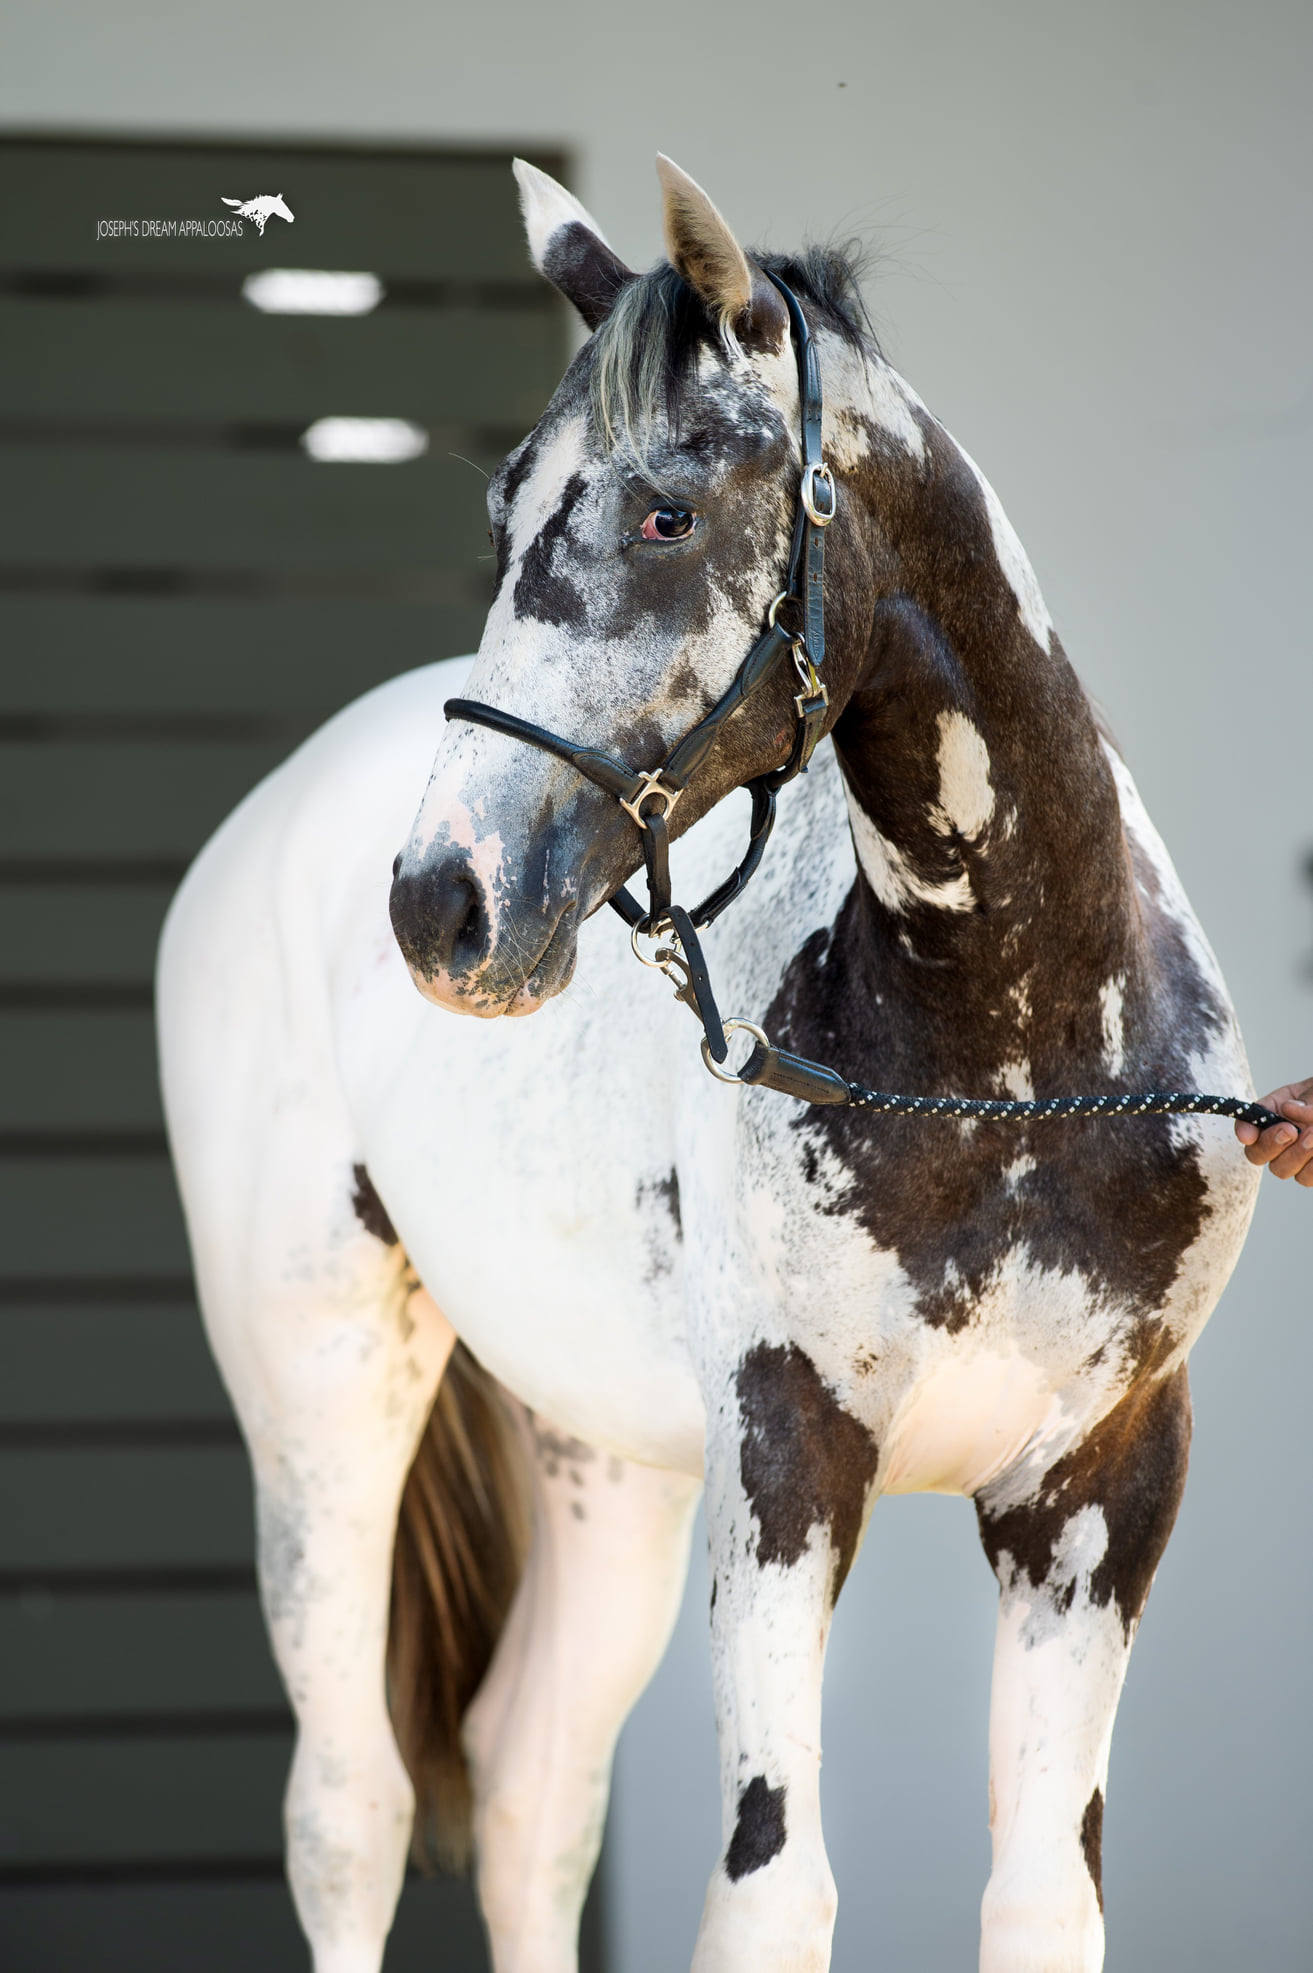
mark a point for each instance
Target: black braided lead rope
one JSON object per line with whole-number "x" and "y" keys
{"x": 1154, "y": 1103}
{"x": 768, "y": 1067}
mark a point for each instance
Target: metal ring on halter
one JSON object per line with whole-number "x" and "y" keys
{"x": 818, "y": 474}
{"x": 749, "y": 1027}
{"x": 661, "y": 963}
{"x": 772, "y": 612}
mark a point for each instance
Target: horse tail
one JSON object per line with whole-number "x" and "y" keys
{"x": 462, "y": 1536}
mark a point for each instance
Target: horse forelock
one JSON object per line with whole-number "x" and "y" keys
{"x": 648, "y": 351}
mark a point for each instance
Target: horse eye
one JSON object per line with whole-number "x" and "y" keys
{"x": 668, "y": 524}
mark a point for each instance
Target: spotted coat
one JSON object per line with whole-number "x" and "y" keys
{"x": 803, "y": 1309}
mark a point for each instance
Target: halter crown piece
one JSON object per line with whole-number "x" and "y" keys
{"x": 649, "y": 795}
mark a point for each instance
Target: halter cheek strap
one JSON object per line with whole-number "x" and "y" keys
{"x": 648, "y": 796}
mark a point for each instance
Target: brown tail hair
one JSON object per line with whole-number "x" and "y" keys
{"x": 462, "y": 1535}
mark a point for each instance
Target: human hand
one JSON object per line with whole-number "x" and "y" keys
{"x": 1286, "y": 1148}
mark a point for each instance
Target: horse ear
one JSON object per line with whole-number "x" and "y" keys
{"x": 567, "y": 247}
{"x": 703, "y": 249}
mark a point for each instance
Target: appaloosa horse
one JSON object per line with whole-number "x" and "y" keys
{"x": 672, "y": 1282}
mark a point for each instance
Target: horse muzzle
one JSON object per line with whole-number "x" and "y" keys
{"x": 477, "y": 946}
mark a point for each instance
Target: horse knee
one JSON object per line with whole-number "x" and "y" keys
{"x": 1031, "y": 1927}
{"x": 780, "y": 1914}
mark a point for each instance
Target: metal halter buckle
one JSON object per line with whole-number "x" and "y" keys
{"x": 653, "y": 785}
{"x": 749, "y": 1027}
{"x": 814, "y": 693}
{"x": 819, "y": 474}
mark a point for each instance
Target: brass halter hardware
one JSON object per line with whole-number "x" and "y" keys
{"x": 653, "y": 785}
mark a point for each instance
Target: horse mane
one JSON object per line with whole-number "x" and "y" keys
{"x": 644, "y": 350}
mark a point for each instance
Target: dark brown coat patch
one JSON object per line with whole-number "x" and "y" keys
{"x": 1091, "y": 1841}
{"x": 759, "y": 1832}
{"x": 369, "y": 1208}
{"x": 1132, "y": 1466}
{"x": 804, "y": 1461}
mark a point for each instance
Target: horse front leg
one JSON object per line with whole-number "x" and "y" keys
{"x": 789, "y": 1473}
{"x": 591, "y": 1619}
{"x": 1075, "y": 1563}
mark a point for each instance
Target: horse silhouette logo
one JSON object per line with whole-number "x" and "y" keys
{"x": 266, "y": 206}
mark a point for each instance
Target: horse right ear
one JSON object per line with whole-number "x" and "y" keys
{"x": 567, "y": 246}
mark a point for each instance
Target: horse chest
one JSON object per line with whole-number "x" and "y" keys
{"x": 986, "y": 1344}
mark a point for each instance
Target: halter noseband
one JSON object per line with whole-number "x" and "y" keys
{"x": 638, "y": 792}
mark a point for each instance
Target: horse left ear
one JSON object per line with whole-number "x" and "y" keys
{"x": 703, "y": 249}
{"x": 567, "y": 247}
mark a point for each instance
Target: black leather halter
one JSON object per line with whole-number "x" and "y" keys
{"x": 649, "y": 795}
{"x": 639, "y": 792}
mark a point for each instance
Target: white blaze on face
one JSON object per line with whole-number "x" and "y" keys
{"x": 540, "y": 495}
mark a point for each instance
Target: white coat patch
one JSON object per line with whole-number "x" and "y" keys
{"x": 892, "y": 877}
{"x": 1014, "y": 562}
{"x": 1111, "y": 997}
{"x": 966, "y": 794}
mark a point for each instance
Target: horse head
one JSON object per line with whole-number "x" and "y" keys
{"x": 641, "y": 531}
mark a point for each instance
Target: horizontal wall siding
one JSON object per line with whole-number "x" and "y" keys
{"x": 212, "y": 362}
{"x": 185, "y": 596}
{"x": 138, "y": 506}
{"x": 112, "y": 1221}
{"x": 290, "y": 659}
{"x": 77, "y": 1069}
{"x": 86, "y": 1367}
{"x": 100, "y": 801}
{"x": 209, "y": 1923}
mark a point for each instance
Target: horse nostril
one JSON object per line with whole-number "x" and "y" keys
{"x": 440, "y": 919}
{"x": 468, "y": 942}
{"x": 396, "y": 863}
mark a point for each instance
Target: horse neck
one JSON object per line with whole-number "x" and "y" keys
{"x": 983, "y": 807}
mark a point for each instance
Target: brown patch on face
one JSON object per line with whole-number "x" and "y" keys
{"x": 369, "y": 1208}
{"x": 1132, "y": 1466}
{"x": 804, "y": 1461}
{"x": 1091, "y": 1841}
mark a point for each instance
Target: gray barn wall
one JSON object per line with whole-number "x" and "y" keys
{"x": 1095, "y": 268}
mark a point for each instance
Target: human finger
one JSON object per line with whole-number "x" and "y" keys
{"x": 1270, "y": 1143}
{"x": 1292, "y": 1162}
{"x": 1292, "y": 1097}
